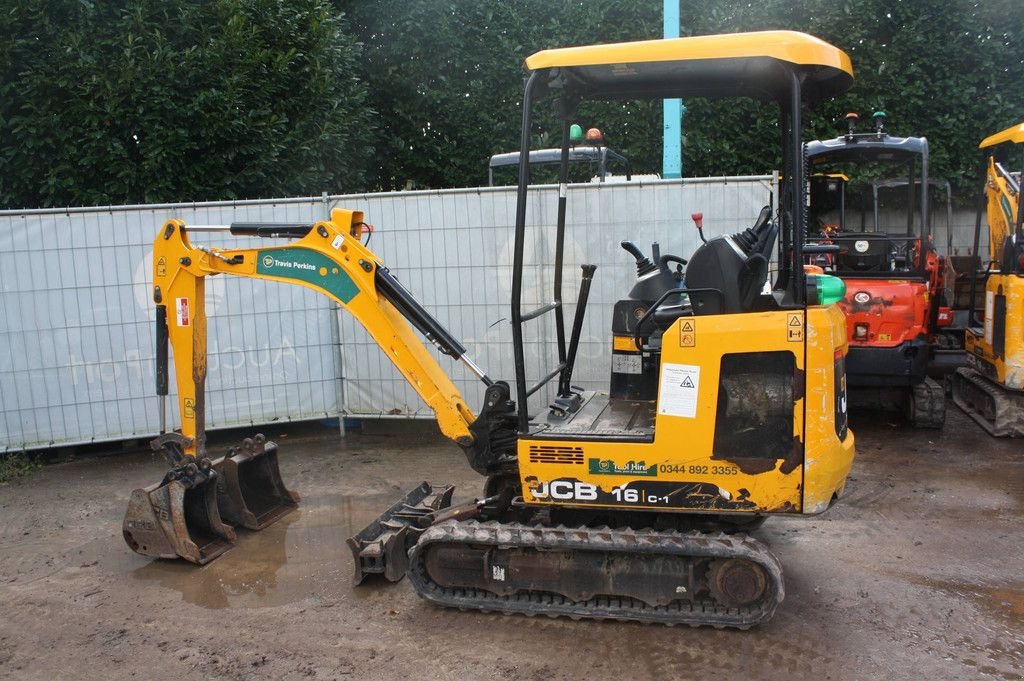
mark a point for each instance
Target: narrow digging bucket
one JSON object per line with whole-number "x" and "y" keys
{"x": 177, "y": 518}
{"x": 383, "y": 546}
{"x": 250, "y": 491}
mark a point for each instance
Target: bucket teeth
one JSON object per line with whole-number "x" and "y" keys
{"x": 178, "y": 518}
{"x": 190, "y": 513}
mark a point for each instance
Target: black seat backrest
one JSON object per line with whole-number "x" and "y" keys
{"x": 864, "y": 253}
{"x": 735, "y": 267}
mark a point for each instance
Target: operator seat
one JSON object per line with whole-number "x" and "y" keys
{"x": 871, "y": 252}
{"x": 733, "y": 268}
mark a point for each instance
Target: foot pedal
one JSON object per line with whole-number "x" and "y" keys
{"x": 383, "y": 546}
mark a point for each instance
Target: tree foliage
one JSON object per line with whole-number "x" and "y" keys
{"x": 159, "y": 100}
{"x": 447, "y": 79}
{"x": 170, "y": 100}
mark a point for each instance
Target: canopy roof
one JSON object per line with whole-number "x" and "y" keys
{"x": 1014, "y": 134}
{"x": 581, "y": 153}
{"x": 866, "y": 147}
{"x": 758, "y": 64}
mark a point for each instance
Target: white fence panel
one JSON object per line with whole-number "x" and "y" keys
{"x": 77, "y": 339}
{"x": 453, "y": 250}
{"x": 76, "y": 315}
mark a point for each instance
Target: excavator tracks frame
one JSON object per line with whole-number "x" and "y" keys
{"x": 926, "y": 404}
{"x": 687, "y": 578}
{"x": 997, "y": 410}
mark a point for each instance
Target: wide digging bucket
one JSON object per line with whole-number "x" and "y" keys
{"x": 383, "y": 546}
{"x": 178, "y": 518}
{"x": 250, "y": 491}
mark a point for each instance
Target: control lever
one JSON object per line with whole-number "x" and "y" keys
{"x": 698, "y": 221}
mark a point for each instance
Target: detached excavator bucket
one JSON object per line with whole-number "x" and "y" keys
{"x": 383, "y": 547}
{"x": 178, "y": 517}
{"x": 250, "y": 491}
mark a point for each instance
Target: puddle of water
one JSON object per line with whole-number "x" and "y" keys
{"x": 303, "y": 555}
{"x": 1006, "y": 600}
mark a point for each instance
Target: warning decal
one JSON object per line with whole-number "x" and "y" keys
{"x": 688, "y": 334}
{"x": 678, "y": 394}
{"x": 794, "y": 327}
{"x": 181, "y": 307}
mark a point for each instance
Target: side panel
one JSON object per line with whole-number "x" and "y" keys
{"x": 1001, "y": 358}
{"x": 884, "y": 312}
{"x": 830, "y": 447}
{"x": 710, "y": 397}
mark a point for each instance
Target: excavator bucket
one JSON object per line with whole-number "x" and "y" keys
{"x": 250, "y": 491}
{"x": 383, "y": 546}
{"x": 178, "y": 517}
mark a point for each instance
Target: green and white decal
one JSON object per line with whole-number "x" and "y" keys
{"x": 609, "y": 467}
{"x": 309, "y": 266}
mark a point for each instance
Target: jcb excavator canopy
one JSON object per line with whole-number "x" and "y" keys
{"x": 1014, "y": 134}
{"x": 758, "y": 65}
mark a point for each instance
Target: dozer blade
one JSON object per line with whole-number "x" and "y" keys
{"x": 383, "y": 546}
{"x": 178, "y": 517}
{"x": 250, "y": 491}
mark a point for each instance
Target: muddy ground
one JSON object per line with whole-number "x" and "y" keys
{"x": 917, "y": 573}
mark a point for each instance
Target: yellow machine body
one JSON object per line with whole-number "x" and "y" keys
{"x": 748, "y": 418}
{"x": 998, "y": 350}
{"x": 681, "y": 468}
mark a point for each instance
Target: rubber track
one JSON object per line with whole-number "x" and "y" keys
{"x": 969, "y": 385}
{"x": 704, "y": 612}
{"x": 929, "y": 408}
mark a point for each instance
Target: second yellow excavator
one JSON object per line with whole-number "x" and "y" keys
{"x": 991, "y": 390}
{"x": 727, "y": 401}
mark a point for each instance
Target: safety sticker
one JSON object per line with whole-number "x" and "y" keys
{"x": 679, "y": 386}
{"x": 688, "y": 334}
{"x": 627, "y": 364}
{"x": 181, "y": 306}
{"x": 794, "y": 327}
{"x": 338, "y": 240}
{"x": 190, "y": 408}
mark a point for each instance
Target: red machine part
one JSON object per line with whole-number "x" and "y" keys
{"x": 887, "y": 312}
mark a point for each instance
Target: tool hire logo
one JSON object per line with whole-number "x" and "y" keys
{"x": 271, "y": 261}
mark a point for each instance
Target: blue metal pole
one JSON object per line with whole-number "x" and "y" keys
{"x": 672, "y": 140}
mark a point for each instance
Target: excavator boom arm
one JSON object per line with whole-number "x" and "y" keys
{"x": 1003, "y": 195}
{"x": 328, "y": 258}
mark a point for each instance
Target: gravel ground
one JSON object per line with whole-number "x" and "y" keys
{"x": 916, "y": 573}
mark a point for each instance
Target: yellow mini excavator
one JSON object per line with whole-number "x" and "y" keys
{"x": 727, "y": 400}
{"x": 991, "y": 390}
